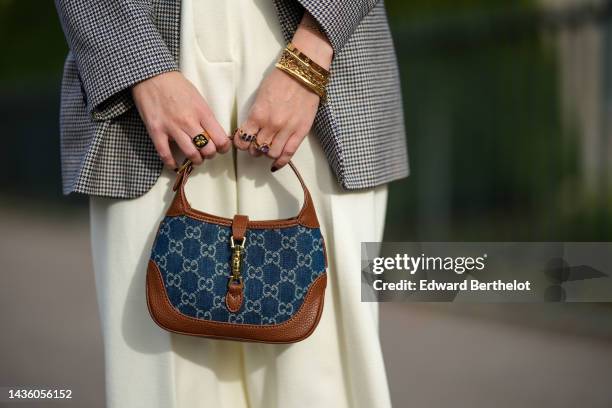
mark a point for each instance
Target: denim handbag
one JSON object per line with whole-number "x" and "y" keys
{"x": 237, "y": 279}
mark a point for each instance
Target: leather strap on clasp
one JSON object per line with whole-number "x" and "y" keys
{"x": 234, "y": 296}
{"x": 235, "y": 286}
{"x": 239, "y": 226}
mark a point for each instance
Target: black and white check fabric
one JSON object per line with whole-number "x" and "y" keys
{"x": 116, "y": 43}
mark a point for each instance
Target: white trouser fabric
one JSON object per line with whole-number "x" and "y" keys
{"x": 227, "y": 47}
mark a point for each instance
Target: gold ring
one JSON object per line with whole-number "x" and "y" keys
{"x": 200, "y": 140}
{"x": 262, "y": 147}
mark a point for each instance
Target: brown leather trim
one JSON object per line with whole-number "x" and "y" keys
{"x": 178, "y": 181}
{"x": 298, "y": 327}
{"x": 307, "y": 216}
{"x": 234, "y": 296}
{"x": 239, "y": 226}
{"x": 176, "y": 207}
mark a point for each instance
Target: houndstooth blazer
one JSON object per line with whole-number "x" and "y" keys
{"x": 114, "y": 44}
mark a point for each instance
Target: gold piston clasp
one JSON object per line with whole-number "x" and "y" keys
{"x": 237, "y": 258}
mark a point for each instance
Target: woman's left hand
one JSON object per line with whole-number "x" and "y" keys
{"x": 284, "y": 110}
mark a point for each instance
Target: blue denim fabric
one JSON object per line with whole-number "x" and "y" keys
{"x": 279, "y": 266}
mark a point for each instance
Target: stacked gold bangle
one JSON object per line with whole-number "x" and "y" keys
{"x": 305, "y": 70}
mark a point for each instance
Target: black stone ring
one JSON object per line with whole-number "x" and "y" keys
{"x": 200, "y": 140}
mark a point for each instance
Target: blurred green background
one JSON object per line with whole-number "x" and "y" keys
{"x": 497, "y": 141}
{"x": 508, "y": 108}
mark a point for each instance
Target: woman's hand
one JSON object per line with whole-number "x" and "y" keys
{"x": 284, "y": 109}
{"x": 173, "y": 110}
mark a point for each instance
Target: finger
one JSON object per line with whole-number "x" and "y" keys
{"x": 264, "y": 137}
{"x": 162, "y": 146}
{"x": 210, "y": 150}
{"x": 217, "y": 135}
{"x": 207, "y": 151}
{"x": 244, "y": 138}
{"x": 279, "y": 141}
{"x": 248, "y": 129}
{"x": 253, "y": 150}
{"x": 184, "y": 142}
{"x": 288, "y": 151}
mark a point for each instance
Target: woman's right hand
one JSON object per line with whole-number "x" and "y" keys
{"x": 173, "y": 110}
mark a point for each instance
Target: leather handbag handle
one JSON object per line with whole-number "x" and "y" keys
{"x": 306, "y": 217}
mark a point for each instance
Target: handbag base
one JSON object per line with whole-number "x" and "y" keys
{"x": 297, "y": 328}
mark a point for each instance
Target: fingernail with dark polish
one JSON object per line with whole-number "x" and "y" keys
{"x": 273, "y": 169}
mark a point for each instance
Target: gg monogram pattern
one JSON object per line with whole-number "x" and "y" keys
{"x": 279, "y": 266}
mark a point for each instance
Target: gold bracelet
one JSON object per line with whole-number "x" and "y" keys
{"x": 319, "y": 90}
{"x": 295, "y": 69}
{"x": 305, "y": 59}
{"x": 303, "y": 69}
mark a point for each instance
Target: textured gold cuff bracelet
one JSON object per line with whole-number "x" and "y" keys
{"x": 304, "y": 70}
{"x": 306, "y": 60}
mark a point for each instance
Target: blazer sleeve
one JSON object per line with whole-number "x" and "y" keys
{"x": 338, "y": 18}
{"x": 115, "y": 45}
